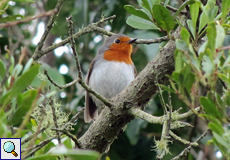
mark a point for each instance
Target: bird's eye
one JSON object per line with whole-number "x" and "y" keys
{"x": 117, "y": 41}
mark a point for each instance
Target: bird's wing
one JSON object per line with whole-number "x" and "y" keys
{"x": 90, "y": 112}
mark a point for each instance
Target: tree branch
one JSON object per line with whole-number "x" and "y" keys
{"x": 48, "y": 27}
{"x": 187, "y": 150}
{"x": 137, "y": 112}
{"x": 12, "y": 23}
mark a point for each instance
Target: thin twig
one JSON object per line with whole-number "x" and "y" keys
{"x": 12, "y": 23}
{"x": 81, "y": 81}
{"x": 162, "y": 99}
{"x": 151, "y": 41}
{"x": 71, "y": 136}
{"x": 31, "y": 136}
{"x": 179, "y": 124}
{"x": 173, "y": 9}
{"x": 49, "y": 26}
{"x": 94, "y": 28}
{"x": 187, "y": 150}
{"x": 60, "y": 86}
{"x": 182, "y": 140}
{"x": 105, "y": 19}
{"x": 72, "y": 42}
{"x": 90, "y": 28}
{"x": 74, "y": 118}
{"x": 35, "y": 148}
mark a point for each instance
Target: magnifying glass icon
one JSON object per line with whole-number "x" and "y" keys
{"x": 9, "y": 147}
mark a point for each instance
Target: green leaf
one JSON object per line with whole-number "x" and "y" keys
{"x": 166, "y": 3}
{"x": 182, "y": 7}
{"x": 191, "y": 28}
{"x": 23, "y": 107}
{"x": 178, "y": 78}
{"x": 203, "y": 21}
{"x": 156, "y": 2}
{"x": 140, "y": 23}
{"x": 146, "y": 4}
{"x": 223, "y": 77}
{"x": 211, "y": 13}
{"x": 166, "y": 88}
{"x": 225, "y": 9}
{"x": 4, "y": 128}
{"x": 24, "y": 80}
{"x": 163, "y": 18}
{"x": 194, "y": 11}
{"x": 74, "y": 154}
{"x": 28, "y": 64}
{"x": 216, "y": 128}
{"x": 209, "y": 107}
{"x": 10, "y": 18}
{"x": 3, "y": 70}
{"x": 188, "y": 81}
{"x": 202, "y": 48}
{"x": 137, "y": 12}
{"x": 133, "y": 129}
{"x": 68, "y": 143}
{"x": 220, "y": 35}
{"x": 178, "y": 61}
{"x": 226, "y": 63}
{"x": 17, "y": 70}
{"x": 181, "y": 45}
{"x": 20, "y": 84}
{"x": 210, "y": 9}
{"x": 221, "y": 140}
{"x": 211, "y": 34}
{"x": 4, "y": 6}
{"x": 207, "y": 66}
{"x": 216, "y": 122}
{"x": 185, "y": 35}
{"x": 12, "y": 64}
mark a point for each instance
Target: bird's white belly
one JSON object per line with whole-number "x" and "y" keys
{"x": 110, "y": 78}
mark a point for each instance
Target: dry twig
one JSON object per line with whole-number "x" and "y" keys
{"x": 12, "y": 23}
{"x": 187, "y": 150}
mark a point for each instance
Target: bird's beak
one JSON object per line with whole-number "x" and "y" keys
{"x": 132, "y": 40}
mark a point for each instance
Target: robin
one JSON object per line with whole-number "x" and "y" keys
{"x": 110, "y": 72}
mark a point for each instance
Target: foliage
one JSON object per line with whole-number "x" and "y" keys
{"x": 200, "y": 73}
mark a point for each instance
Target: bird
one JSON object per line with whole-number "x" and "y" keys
{"x": 109, "y": 73}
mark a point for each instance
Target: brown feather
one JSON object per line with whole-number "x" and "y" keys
{"x": 90, "y": 112}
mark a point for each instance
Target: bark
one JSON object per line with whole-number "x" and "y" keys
{"x": 111, "y": 121}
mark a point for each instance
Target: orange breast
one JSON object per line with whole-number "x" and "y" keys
{"x": 118, "y": 56}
